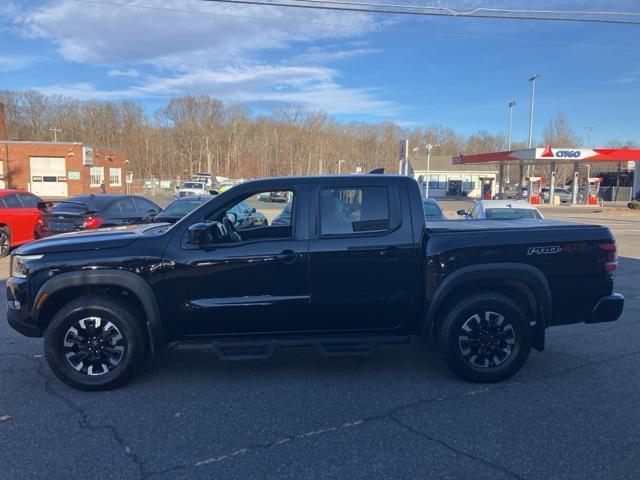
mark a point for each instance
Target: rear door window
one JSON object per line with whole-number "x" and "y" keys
{"x": 345, "y": 210}
{"x": 144, "y": 206}
{"x": 12, "y": 201}
{"x": 28, "y": 200}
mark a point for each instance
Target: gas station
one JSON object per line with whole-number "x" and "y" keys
{"x": 549, "y": 158}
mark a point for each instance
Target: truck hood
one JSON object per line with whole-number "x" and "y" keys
{"x": 114, "y": 237}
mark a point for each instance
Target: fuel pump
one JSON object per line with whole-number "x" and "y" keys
{"x": 594, "y": 188}
{"x": 535, "y": 186}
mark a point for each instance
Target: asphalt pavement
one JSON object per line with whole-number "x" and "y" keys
{"x": 571, "y": 413}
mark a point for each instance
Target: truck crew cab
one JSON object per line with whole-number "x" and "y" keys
{"x": 353, "y": 268}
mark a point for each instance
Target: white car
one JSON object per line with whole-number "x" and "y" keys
{"x": 188, "y": 189}
{"x": 501, "y": 210}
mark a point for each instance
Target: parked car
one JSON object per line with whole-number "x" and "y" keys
{"x": 432, "y": 210}
{"x": 486, "y": 291}
{"x": 284, "y": 217}
{"x": 273, "y": 197}
{"x": 20, "y": 219}
{"x": 501, "y": 210}
{"x": 563, "y": 194}
{"x": 188, "y": 189}
{"x": 180, "y": 207}
{"x": 88, "y": 212}
{"x": 247, "y": 217}
{"x": 637, "y": 197}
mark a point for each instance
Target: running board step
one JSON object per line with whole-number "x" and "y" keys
{"x": 259, "y": 349}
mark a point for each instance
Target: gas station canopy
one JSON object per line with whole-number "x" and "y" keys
{"x": 552, "y": 156}
{"x": 549, "y": 154}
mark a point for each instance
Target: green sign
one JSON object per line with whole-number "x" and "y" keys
{"x": 73, "y": 175}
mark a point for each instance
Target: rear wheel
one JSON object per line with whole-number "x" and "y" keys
{"x": 5, "y": 242}
{"x": 485, "y": 338}
{"x": 95, "y": 343}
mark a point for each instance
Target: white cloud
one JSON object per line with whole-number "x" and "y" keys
{"x": 180, "y": 32}
{"x": 10, "y": 63}
{"x": 326, "y": 55}
{"x": 310, "y": 87}
{"x": 123, "y": 72}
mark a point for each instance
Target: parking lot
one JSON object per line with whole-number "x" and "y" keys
{"x": 571, "y": 412}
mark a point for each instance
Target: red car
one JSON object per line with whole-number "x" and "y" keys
{"x": 20, "y": 219}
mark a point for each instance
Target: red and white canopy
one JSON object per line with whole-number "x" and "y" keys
{"x": 551, "y": 154}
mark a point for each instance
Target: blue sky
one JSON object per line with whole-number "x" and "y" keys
{"x": 457, "y": 72}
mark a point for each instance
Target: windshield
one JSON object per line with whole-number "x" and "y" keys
{"x": 194, "y": 185}
{"x": 431, "y": 210}
{"x": 74, "y": 208}
{"x": 511, "y": 213}
{"x": 180, "y": 208}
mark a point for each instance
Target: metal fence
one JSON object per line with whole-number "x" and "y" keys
{"x": 616, "y": 194}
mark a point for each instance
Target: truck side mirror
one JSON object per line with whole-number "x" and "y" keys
{"x": 461, "y": 212}
{"x": 204, "y": 233}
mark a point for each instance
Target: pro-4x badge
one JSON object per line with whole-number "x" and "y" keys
{"x": 544, "y": 250}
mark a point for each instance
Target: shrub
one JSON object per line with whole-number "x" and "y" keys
{"x": 635, "y": 205}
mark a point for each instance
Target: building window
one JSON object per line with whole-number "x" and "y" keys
{"x": 97, "y": 176}
{"x": 115, "y": 177}
{"x": 469, "y": 183}
{"x": 437, "y": 181}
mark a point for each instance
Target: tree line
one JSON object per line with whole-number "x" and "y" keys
{"x": 188, "y": 133}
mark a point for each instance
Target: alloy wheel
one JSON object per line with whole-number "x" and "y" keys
{"x": 487, "y": 340}
{"x": 4, "y": 243}
{"x": 94, "y": 346}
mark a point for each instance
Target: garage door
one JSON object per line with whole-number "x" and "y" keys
{"x": 48, "y": 176}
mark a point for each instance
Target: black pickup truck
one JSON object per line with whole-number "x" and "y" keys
{"x": 354, "y": 266}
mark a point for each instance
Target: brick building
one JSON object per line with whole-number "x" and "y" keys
{"x": 57, "y": 169}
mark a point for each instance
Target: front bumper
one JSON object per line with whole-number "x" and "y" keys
{"x": 608, "y": 309}
{"x": 18, "y": 314}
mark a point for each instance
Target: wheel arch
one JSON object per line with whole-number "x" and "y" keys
{"x": 66, "y": 285}
{"x": 521, "y": 282}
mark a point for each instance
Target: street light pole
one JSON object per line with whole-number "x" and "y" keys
{"x": 429, "y": 148}
{"x": 512, "y": 104}
{"x": 589, "y": 129}
{"x": 340, "y": 162}
{"x": 532, "y": 79}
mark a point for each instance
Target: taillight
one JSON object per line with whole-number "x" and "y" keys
{"x": 612, "y": 255}
{"x": 92, "y": 222}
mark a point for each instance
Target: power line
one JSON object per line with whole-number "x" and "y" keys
{"x": 349, "y": 26}
{"x": 352, "y": 7}
{"x": 471, "y": 12}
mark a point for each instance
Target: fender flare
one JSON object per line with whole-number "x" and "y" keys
{"x": 108, "y": 278}
{"x": 529, "y": 280}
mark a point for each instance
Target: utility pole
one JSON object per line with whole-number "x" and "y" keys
{"x": 55, "y": 133}
{"x": 589, "y": 129}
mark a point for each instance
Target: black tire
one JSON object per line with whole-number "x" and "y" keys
{"x": 484, "y": 338}
{"x": 126, "y": 335}
{"x": 5, "y": 242}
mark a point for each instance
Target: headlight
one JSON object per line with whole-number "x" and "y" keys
{"x": 19, "y": 264}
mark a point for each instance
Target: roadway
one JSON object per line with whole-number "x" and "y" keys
{"x": 571, "y": 412}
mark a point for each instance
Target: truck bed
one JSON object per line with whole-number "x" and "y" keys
{"x": 489, "y": 225}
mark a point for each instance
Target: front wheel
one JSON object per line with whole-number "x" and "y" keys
{"x": 485, "y": 338}
{"x": 95, "y": 343}
{"x": 5, "y": 242}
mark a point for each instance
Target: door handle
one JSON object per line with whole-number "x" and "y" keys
{"x": 390, "y": 253}
{"x": 287, "y": 256}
